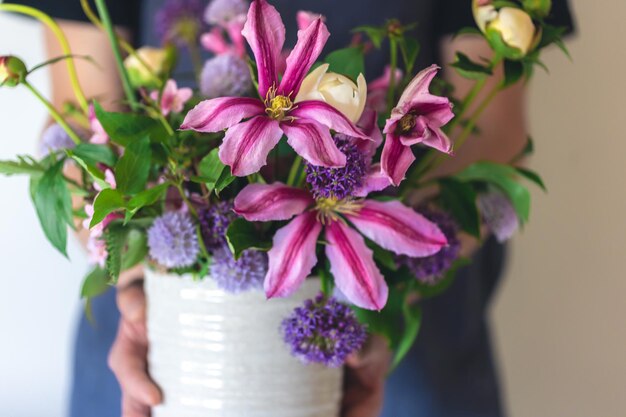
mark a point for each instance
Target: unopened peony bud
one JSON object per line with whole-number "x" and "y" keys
{"x": 158, "y": 60}
{"x": 335, "y": 89}
{"x": 539, "y": 8}
{"x": 12, "y": 71}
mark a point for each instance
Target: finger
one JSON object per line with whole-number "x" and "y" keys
{"x": 363, "y": 395}
{"x": 375, "y": 350}
{"x": 131, "y": 301}
{"x": 133, "y": 408}
{"x": 128, "y": 362}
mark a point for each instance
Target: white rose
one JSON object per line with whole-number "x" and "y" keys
{"x": 335, "y": 89}
{"x": 516, "y": 27}
{"x": 153, "y": 58}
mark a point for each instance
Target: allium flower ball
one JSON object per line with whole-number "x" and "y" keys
{"x": 431, "y": 269}
{"x": 225, "y": 75}
{"x": 179, "y": 21}
{"x": 214, "y": 222}
{"x": 499, "y": 214}
{"x": 235, "y": 276}
{"x": 221, "y": 12}
{"x": 172, "y": 240}
{"x": 55, "y": 138}
{"x": 323, "y": 331}
{"x": 338, "y": 183}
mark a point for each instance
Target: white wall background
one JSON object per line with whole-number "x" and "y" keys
{"x": 559, "y": 317}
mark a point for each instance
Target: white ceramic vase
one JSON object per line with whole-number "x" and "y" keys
{"x": 216, "y": 354}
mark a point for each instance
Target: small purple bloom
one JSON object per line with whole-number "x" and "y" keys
{"x": 323, "y": 331}
{"x": 172, "y": 240}
{"x": 54, "y": 139}
{"x": 221, "y": 12}
{"x": 179, "y": 21}
{"x": 498, "y": 214}
{"x": 225, "y": 75}
{"x": 235, "y": 276}
{"x": 214, "y": 222}
{"x": 338, "y": 182}
{"x": 431, "y": 269}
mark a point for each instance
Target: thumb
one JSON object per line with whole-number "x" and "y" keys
{"x": 131, "y": 302}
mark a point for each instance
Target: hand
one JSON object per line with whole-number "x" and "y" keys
{"x": 128, "y": 356}
{"x": 364, "y": 381}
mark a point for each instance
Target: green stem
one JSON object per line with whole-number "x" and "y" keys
{"x": 293, "y": 172}
{"x": 108, "y": 27}
{"x": 190, "y": 206}
{"x": 54, "y": 113}
{"x": 391, "y": 93}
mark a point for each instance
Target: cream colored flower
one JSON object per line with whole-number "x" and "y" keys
{"x": 146, "y": 73}
{"x": 335, "y": 89}
{"x": 514, "y": 25}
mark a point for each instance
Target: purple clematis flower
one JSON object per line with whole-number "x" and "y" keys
{"x": 417, "y": 118}
{"x": 390, "y": 224}
{"x": 306, "y": 124}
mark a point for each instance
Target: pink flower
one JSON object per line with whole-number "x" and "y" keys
{"x": 377, "y": 89}
{"x": 214, "y": 41}
{"x": 306, "y": 125}
{"x": 304, "y": 18}
{"x": 96, "y": 246}
{"x": 418, "y": 118}
{"x": 99, "y": 135}
{"x": 173, "y": 99}
{"x": 109, "y": 178}
{"x": 390, "y": 224}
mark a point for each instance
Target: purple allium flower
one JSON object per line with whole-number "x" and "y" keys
{"x": 243, "y": 274}
{"x": 179, "y": 21}
{"x": 214, "y": 222}
{"x": 323, "y": 331}
{"x": 431, "y": 269}
{"x": 225, "y": 75}
{"x": 498, "y": 214}
{"x": 338, "y": 182}
{"x": 54, "y": 138}
{"x": 172, "y": 240}
{"x": 220, "y": 12}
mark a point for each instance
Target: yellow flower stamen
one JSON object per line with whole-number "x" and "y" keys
{"x": 277, "y": 106}
{"x": 328, "y": 209}
{"x": 407, "y": 123}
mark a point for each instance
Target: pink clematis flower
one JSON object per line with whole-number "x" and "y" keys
{"x": 418, "y": 118}
{"x": 173, "y": 99}
{"x": 306, "y": 125}
{"x": 215, "y": 42}
{"x": 304, "y": 18}
{"x": 390, "y": 224}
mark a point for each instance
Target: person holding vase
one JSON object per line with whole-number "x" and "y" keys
{"x": 451, "y": 370}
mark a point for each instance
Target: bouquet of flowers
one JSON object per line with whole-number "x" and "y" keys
{"x": 285, "y": 164}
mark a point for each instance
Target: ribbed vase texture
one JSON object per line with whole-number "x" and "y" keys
{"x": 216, "y": 354}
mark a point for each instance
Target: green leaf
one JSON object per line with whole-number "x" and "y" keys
{"x": 115, "y": 240}
{"x": 532, "y": 176}
{"x": 385, "y": 322}
{"x": 469, "y": 30}
{"x": 23, "y": 165}
{"x": 242, "y": 235}
{"x": 136, "y": 249}
{"x": 412, "y": 322}
{"x": 211, "y": 169}
{"x": 382, "y": 256}
{"x": 93, "y": 154}
{"x": 124, "y": 128}
{"x": 460, "y": 199}
{"x": 95, "y": 283}
{"x": 94, "y": 172}
{"x": 513, "y": 72}
{"x": 224, "y": 181}
{"x": 503, "y": 177}
{"x": 348, "y": 61}
{"x": 375, "y": 33}
{"x": 53, "y": 203}
{"x": 410, "y": 49}
{"x": 145, "y": 198}
{"x": 132, "y": 170}
{"x": 106, "y": 202}
{"x": 470, "y": 69}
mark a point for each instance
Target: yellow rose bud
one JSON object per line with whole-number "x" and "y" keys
{"x": 12, "y": 71}
{"x": 335, "y": 89}
{"x": 146, "y": 69}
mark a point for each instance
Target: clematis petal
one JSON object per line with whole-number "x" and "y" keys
{"x": 246, "y": 145}
{"x": 438, "y": 140}
{"x": 292, "y": 255}
{"x": 313, "y": 142}
{"x": 266, "y": 202}
{"x": 265, "y": 32}
{"x": 369, "y": 125}
{"x": 398, "y": 228}
{"x": 418, "y": 86}
{"x": 353, "y": 267}
{"x": 328, "y": 116}
{"x": 375, "y": 180}
{"x": 221, "y": 113}
{"x": 395, "y": 159}
{"x": 310, "y": 43}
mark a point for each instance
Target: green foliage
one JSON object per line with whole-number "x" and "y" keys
{"x": 124, "y": 128}
{"x": 136, "y": 248}
{"x": 93, "y": 154}
{"x": 459, "y": 198}
{"x": 95, "y": 283}
{"x": 348, "y": 61}
{"x": 24, "y": 165}
{"x": 513, "y": 72}
{"x": 224, "y": 180}
{"x": 53, "y": 203}
{"x": 382, "y": 256}
{"x": 115, "y": 239}
{"x": 145, "y": 198}
{"x": 106, "y": 202}
{"x": 412, "y": 315}
{"x": 410, "y": 49}
{"x": 470, "y": 69}
{"x": 211, "y": 170}
{"x": 532, "y": 176}
{"x": 376, "y": 34}
{"x": 133, "y": 168}
{"x": 242, "y": 235}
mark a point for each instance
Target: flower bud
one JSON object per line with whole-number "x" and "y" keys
{"x": 335, "y": 89}
{"x": 158, "y": 62}
{"x": 12, "y": 71}
{"x": 539, "y": 8}
{"x": 510, "y": 31}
